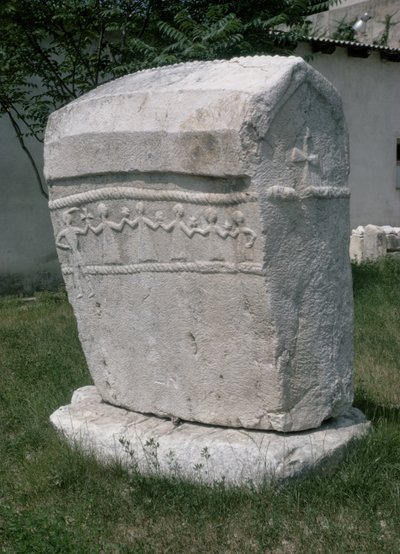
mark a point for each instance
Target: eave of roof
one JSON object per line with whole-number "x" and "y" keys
{"x": 355, "y": 49}
{"x": 351, "y": 43}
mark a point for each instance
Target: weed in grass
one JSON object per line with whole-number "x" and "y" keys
{"x": 55, "y": 499}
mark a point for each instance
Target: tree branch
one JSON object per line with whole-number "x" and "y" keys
{"x": 99, "y": 48}
{"x": 20, "y": 138}
{"x": 37, "y": 48}
{"x": 76, "y": 45}
{"x": 146, "y": 19}
{"x": 25, "y": 122}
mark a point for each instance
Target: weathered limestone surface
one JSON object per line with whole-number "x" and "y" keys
{"x": 201, "y": 218}
{"x": 202, "y": 453}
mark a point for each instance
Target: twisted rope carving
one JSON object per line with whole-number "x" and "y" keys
{"x": 325, "y": 192}
{"x": 175, "y": 267}
{"x": 289, "y": 193}
{"x": 200, "y": 198}
{"x": 128, "y": 193}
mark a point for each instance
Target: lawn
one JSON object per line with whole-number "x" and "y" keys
{"x": 54, "y": 499}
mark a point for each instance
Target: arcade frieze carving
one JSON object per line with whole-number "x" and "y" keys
{"x": 154, "y": 240}
{"x": 236, "y": 227}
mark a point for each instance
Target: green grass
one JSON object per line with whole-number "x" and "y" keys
{"x": 54, "y": 499}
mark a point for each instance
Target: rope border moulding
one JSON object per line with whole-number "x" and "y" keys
{"x": 179, "y": 267}
{"x": 128, "y": 193}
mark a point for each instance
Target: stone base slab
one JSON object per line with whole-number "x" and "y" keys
{"x": 202, "y": 453}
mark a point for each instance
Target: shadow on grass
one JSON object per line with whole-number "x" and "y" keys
{"x": 371, "y": 274}
{"x": 373, "y": 411}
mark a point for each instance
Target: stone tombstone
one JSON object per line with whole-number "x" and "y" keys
{"x": 201, "y": 216}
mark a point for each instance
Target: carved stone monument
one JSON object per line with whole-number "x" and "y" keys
{"x": 201, "y": 218}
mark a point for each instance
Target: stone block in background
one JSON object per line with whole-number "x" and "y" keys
{"x": 372, "y": 242}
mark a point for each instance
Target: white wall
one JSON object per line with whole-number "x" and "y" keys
{"x": 370, "y": 89}
{"x": 27, "y": 254}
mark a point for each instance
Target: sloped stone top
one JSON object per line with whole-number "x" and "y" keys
{"x": 200, "y": 103}
{"x": 246, "y": 74}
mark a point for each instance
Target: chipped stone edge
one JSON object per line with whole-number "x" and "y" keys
{"x": 202, "y": 453}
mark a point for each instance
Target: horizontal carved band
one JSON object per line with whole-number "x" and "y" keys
{"x": 177, "y": 267}
{"x": 325, "y": 192}
{"x": 130, "y": 193}
{"x": 289, "y": 193}
{"x": 201, "y": 198}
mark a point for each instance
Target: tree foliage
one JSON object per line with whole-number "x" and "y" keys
{"x": 52, "y": 51}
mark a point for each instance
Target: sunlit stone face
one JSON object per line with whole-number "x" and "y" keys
{"x": 201, "y": 218}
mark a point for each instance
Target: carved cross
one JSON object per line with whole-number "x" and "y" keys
{"x": 310, "y": 161}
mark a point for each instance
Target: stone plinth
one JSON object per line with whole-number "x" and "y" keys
{"x": 201, "y": 218}
{"x": 202, "y": 453}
